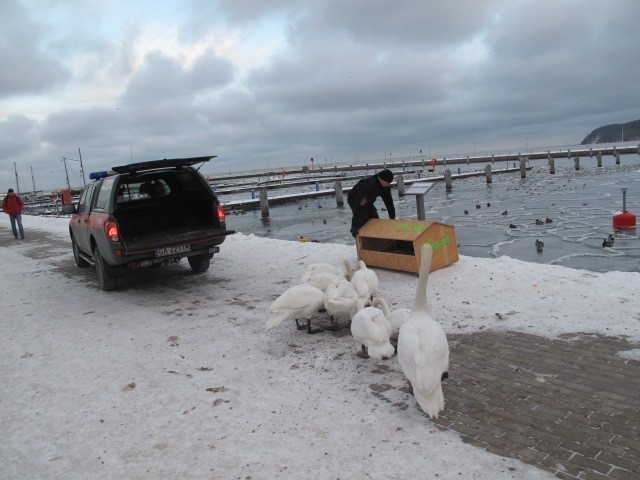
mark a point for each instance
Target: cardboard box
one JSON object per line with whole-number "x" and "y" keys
{"x": 397, "y": 244}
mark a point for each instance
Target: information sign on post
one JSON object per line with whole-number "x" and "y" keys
{"x": 419, "y": 189}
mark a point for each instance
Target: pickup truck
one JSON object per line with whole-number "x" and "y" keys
{"x": 146, "y": 215}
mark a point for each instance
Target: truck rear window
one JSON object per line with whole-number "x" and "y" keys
{"x": 140, "y": 190}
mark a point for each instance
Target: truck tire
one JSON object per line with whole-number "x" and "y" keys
{"x": 81, "y": 262}
{"x": 106, "y": 280}
{"x": 199, "y": 263}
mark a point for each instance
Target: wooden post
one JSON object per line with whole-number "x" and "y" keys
{"x": 552, "y": 165}
{"x": 400, "y": 184}
{"x": 617, "y": 155}
{"x": 487, "y": 173}
{"x": 339, "y": 193}
{"x": 590, "y": 152}
{"x": 599, "y": 158}
{"x": 493, "y": 158}
{"x": 447, "y": 180}
{"x": 576, "y": 160}
{"x": 264, "y": 203}
{"x": 444, "y": 159}
{"x": 523, "y": 168}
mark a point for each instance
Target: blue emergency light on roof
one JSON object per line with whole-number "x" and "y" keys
{"x": 98, "y": 175}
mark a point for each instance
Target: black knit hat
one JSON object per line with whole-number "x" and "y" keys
{"x": 10, "y": 190}
{"x": 386, "y": 175}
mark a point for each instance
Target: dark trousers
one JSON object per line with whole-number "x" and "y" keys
{"x": 361, "y": 215}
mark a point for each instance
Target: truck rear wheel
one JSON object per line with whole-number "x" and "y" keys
{"x": 106, "y": 280}
{"x": 199, "y": 263}
{"x": 81, "y": 262}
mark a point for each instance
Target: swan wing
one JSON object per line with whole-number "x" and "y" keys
{"x": 432, "y": 358}
{"x": 408, "y": 347}
{"x": 296, "y": 297}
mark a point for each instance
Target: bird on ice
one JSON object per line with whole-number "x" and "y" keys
{"x": 423, "y": 350}
{"x": 300, "y": 301}
{"x": 321, "y": 274}
{"x": 608, "y": 242}
{"x": 365, "y": 281}
{"x": 370, "y": 330}
{"x": 396, "y": 317}
{"x": 341, "y": 300}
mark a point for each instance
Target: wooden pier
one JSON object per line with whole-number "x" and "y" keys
{"x": 336, "y": 174}
{"x": 422, "y": 162}
{"x": 255, "y": 203}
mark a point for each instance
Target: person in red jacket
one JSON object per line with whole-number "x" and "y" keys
{"x": 13, "y": 205}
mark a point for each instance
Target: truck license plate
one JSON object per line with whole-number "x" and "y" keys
{"x": 163, "y": 252}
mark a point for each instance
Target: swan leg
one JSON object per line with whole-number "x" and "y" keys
{"x": 334, "y": 327}
{"x": 444, "y": 375}
{"x": 363, "y": 353}
{"x": 300, "y": 327}
{"x": 310, "y": 330}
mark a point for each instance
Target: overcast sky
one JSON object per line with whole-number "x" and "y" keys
{"x": 275, "y": 82}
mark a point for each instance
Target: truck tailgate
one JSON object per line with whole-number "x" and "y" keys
{"x": 168, "y": 238}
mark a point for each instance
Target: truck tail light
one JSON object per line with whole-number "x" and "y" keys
{"x": 111, "y": 229}
{"x": 220, "y": 213}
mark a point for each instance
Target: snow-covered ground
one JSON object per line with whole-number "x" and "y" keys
{"x": 174, "y": 375}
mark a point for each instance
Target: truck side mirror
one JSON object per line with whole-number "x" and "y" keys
{"x": 69, "y": 209}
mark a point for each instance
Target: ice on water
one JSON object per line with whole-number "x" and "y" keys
{"x": 581, "y": 205}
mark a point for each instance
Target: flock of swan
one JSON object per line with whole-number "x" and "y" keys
{"x": 345, "y": 294}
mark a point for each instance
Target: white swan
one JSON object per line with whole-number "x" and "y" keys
{"x": 365, "y": 281}
{"x": 396, "y": 317}
{"x": 370, "y": 329}
{"x": 423, "y": 351}
{"x": 341, "y": 300}
{"x": 301, "y": 301}
{"x": 321, "y": 274}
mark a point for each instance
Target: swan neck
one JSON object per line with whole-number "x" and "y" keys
{"x": 423, "y": 279}
{"x": 348, "y": 267}
{"x": 385, "y": 306}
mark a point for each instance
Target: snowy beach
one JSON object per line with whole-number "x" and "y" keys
{"x": 174, "y": 375}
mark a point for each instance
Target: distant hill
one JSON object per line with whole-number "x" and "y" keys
{"x": 613, "y": 133}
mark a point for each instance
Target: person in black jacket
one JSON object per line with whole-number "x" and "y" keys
{"x": 364, "y": 193}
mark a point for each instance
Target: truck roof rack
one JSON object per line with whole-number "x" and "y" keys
{"x": 158, "y": 164}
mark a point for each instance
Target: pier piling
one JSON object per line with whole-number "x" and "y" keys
{"x": 339, "y": 193}
{"x": 264, "y": 203}
{"x": 487, "y": 173}
{"x": 400, "y": 185}
{"x": 599, "y": 159}
{"x": 576, "y": 161}
{"x": 447, "y": 180}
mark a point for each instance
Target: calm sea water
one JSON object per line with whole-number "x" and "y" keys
{"x": 580, "y": 205}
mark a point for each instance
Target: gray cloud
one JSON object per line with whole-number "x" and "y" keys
{"x": 26, "y": 66}
{"x": 354, "y": 81}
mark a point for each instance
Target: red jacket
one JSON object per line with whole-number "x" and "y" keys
{"x": 12, "y": 204}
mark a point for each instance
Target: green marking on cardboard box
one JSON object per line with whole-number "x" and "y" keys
{"x": 405, "y": 227}
{"x": 443, "y": 241}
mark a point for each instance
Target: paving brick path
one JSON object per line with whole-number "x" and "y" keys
{"x": 569, "y": 406}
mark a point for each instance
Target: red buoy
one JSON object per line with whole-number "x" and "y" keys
{"x": 624, "y": 220}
